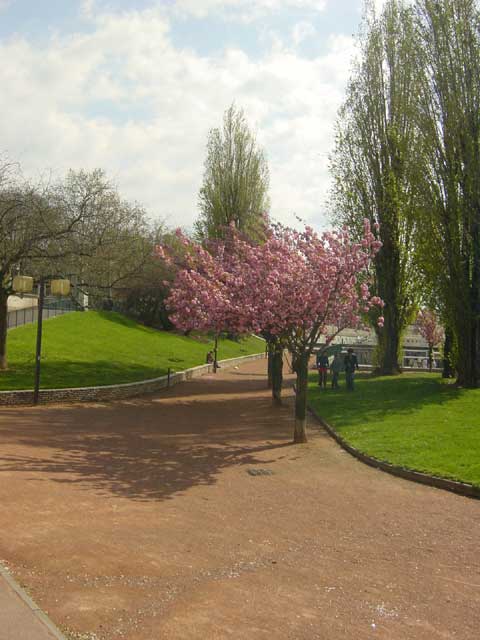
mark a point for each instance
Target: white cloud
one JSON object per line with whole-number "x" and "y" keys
{"x": 245, "y": 10}
{"x": 87, "y": 8}
{"x": 123, "y": 98}
{"x": 302, "y": 31}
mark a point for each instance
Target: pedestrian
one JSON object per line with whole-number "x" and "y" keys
{"x": 335, "y": 368}
{"x": 322, "y": 366}
{"x": 210, "y": 357}
{"x": 351, "y": 365}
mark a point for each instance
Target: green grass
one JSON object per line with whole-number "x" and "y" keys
{"x": 412, "y": 420}
{"x": 102, "y": 348}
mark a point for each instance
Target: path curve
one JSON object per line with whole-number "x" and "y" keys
{"x": 140, "y": 519}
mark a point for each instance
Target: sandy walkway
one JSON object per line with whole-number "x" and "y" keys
{"x": 140, "y": 520}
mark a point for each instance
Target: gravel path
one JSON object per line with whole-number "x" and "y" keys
{"x": 189, "y": 515}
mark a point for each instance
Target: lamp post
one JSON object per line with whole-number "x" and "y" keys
{"x": 215, "y": 354}
{"x": 58, "y": 287}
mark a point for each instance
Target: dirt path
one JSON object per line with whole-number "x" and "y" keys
{"x": 140, "y": 520}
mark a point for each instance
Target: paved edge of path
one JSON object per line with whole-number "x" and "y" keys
{"x": 461, "y": 488}
{"x": 30, "y": 608}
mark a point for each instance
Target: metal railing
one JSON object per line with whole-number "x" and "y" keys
{"x": 28, "y": 315}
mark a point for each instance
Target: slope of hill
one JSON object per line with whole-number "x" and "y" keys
{"x": 101, "y": 348}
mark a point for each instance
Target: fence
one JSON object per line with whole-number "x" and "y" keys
{"x": 19, "y": 317}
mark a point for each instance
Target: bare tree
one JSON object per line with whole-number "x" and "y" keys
{"x": 114, "y": 241}
{"x": 34, "y": 226}
{"x": 78, "y": 227}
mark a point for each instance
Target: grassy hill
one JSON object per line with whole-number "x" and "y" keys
{"x": 101, "y": 348}
{"x": 414, "y": 420}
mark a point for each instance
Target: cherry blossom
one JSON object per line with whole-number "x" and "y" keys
{"x": 430, "y": 329}
{"x": 296, "y": 285}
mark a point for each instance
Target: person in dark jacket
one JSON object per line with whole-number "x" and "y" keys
{"x": 322, "y": 366}
{"x": 351, "y": 365}
{"x": 336, "y": 367}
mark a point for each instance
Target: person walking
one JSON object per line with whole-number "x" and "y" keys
{"x": 336, "y": 368}
{"x": 351, "y": 365}
{"x": 322, "y": 366}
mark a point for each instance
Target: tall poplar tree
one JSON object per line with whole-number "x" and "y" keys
{"x": 235, "y": 192}
{"x": 449, "y": 127}
{"x": 374, "y": 160}
{"x": 236, "y": 181}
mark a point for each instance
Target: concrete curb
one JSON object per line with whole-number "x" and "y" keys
{"x": 27, "y": 600}
{"x": 460, "y": 488}
{"x": 117, "y": 391}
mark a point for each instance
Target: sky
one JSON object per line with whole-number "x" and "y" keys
{"x": 134, "y": 87}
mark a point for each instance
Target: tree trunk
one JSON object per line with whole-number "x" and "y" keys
{"x": 277, "y": 375}
{"x": 215, "y": 355}
{"x": 388, "y": 348}
{"x": 475, "y": 283}
{"x": 430, "y": 357}
{"x": 467, "y": 354}
{"x": 300, "y": 433}
{"x": 472, "y": 378}
{"x": 447, "y": 354}
{"x": 3, "y": 329}
{"x": 275, "y": 369}
{"x": 270, "y": 364}
{"x": 391, "y": 289}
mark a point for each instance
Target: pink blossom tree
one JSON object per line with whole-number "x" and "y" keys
{"x": 431, "y": 330}
{"x": 320, "y": 291}
{"x": 295, "y": 286}
{"x": 219, "y": 288}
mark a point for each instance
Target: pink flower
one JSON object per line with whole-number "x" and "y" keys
{"x": 375, "y": 300}
{"x": 429, "y": 327}
{"x": 294, "y": 281}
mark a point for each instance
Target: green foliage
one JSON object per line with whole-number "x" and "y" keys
{"x": 235, "y": 182}
{"x": 414, "y": 420}
{"x": 101, "y": 348}
{"x": 147, "y": 305}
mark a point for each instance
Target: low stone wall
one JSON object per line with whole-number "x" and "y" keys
{"x": 118, "y": 391}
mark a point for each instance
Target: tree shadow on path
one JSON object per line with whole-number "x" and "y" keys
{"x": 151, "y": 448}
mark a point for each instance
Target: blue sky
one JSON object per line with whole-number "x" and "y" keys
{"x": 134, "y": 86}
{"x": 209, "y": 34}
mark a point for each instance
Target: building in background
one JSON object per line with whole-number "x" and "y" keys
{"x": 415, "y": 348}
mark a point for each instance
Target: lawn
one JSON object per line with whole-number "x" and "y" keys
{"x": 101, "y": 348}
{"x": 412, "y": 420}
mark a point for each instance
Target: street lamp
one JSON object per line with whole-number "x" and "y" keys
{"x": 58, "y": 287}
